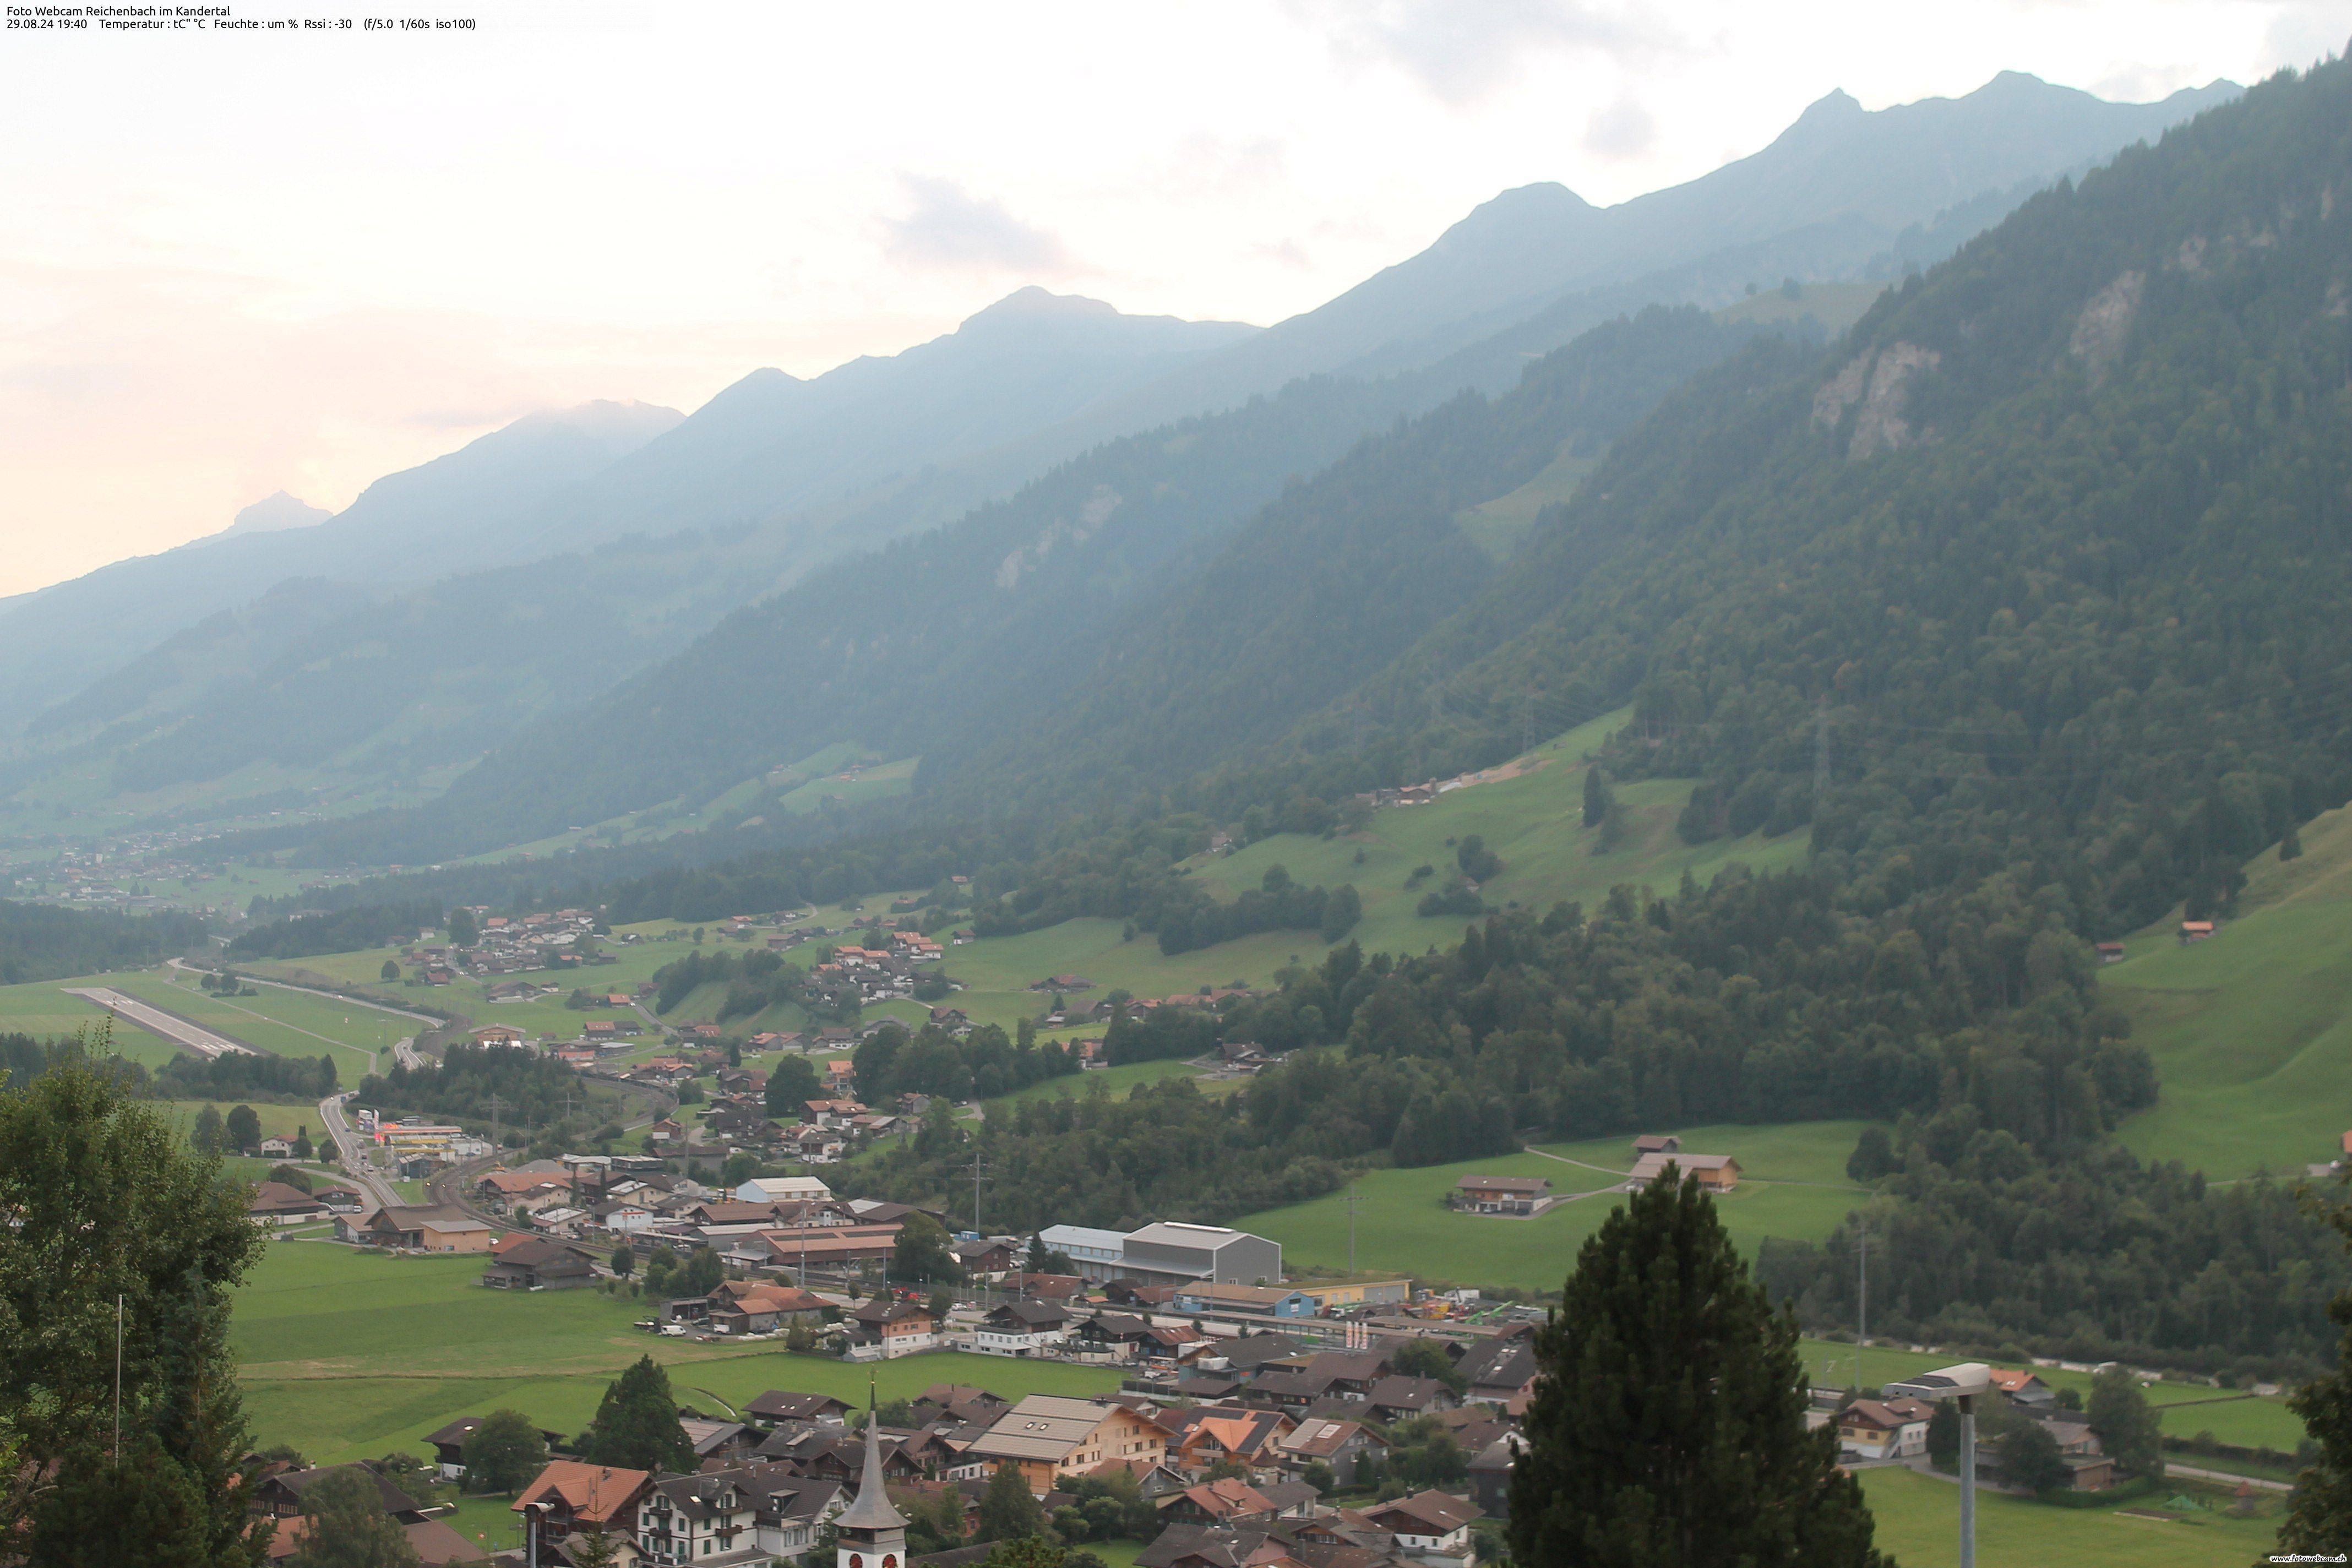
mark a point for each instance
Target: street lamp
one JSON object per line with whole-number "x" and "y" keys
{"x": 1962, "y": 1383}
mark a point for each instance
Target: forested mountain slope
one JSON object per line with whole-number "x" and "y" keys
{"x": 1845, "y": 179}
{"x": 2052, "y": 551}
{"x": 1012, "y": 623}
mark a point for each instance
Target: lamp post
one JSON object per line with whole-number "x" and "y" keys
{"x": 1962, "y": 1384}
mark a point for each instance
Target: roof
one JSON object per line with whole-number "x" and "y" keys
{"x": 1044, "y": 1426}
{"x": 1504, "y": 1184}
{"x": 1319, "y": 1438}
{"x": 299, "y": 1481}
{"x": 1173, "y": 1233}
{"x": 1405, "y": 1393}
{"x": 599, "y": 1493}
{"x": 1222, "y": 1547}
{"x": 1649, "y": 1166}
{"x": 785, "y": 1405}
{"x": 1032, "y": 1314}
{"x": 2010, "y": 1382}
{"x": 1442, "y": 1510}
{"x": 872, "y": 1511}
{"x": 278, "y": 1198}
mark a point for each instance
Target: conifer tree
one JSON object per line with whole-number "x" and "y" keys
{"x": 1599, "y": 799}
{"x": 637, "y": 1424}
{"x": 2319, "y": 1515}
{"x": 1008, "y": 1510}
{"x": 344, "y": 1525}
{"x": 1668, "y": 1425}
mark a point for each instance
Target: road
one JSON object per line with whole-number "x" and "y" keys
{"x": 156, "y": 1021}
{"x": 353, "y": 1152}
{"x": 404, "y": 1051}
{"x": 314, "y": 991}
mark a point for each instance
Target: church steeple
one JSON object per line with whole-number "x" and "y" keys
{"x": 871, "y": 1533}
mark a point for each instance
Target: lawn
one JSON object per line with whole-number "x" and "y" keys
{"x": 1795, "y": 1187}
{"x": 42, "y": 1009}
{"x": 2251, "y": 1030}
{"x": 1918, "y": 1525}
{"x": 348, "y": 1355}
{"x": 1120, "y": 1081}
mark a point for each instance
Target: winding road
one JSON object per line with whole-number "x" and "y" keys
{"x": 351, "y": 1149}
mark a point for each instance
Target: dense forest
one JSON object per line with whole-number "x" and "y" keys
{"x": 533, "y": 1090}
{"x": 337, "y": 931}
{"x": 42, "y": 942}
{"x": 987, "y": 1063}
{"x": 235, "y": 1076}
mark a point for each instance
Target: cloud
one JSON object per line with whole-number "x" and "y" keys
{"x": 950, "y": 228}
{"x": 2303, "y": 34}
{"x": 1461, "y": 50}
{"x": 1623, "y": 130}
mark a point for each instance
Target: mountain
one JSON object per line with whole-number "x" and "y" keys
{"x": 403, "y": 526}
{"x": 274, "y": 514}
{"x": 773, "y": 445}
{"x": 1859, "y": 174}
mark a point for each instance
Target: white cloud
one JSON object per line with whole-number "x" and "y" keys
{"x": 1462, "y": 51}
{"x": 950, "y": 228}
{"x": 2300, "y": 35}
{"x": 1623, "y": 130}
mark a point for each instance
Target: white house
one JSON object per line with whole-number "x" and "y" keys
{"x": 1022, "y": 1328}
{"x": 781, "y": 1189}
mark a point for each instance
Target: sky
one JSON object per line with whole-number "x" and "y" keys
{"x": 233, "y": 263}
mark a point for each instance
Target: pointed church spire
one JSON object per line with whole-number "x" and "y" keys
{"x": 872, "y": 1511}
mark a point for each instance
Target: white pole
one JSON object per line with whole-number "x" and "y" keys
{"x": 118, "y": 1382}
{"x": 1968, "y": 1482}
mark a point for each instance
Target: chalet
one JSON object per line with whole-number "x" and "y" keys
{"x": 1051, "y": 1437}
{"x": 1184, "y": 1545}
{"x": 1330, "y": 1441}
{"x": 1227, "y": 1501}
{"x": 1885, "y": 1429}
{"x": 2111, "y": 953}
{"x": 448, "y": 1445}
{"x": 706, "y": 1517}
{"x": 1428, "y": 1521}
{"x": 739, "y": 1307}
{"x": 277, "y": 1147}
{"x": 536, "y": 1263}
{"x": 431, "y": 1228}
{"x": 280, "y": 1496}
{"x": 777, "y": 1406}
{"x": 1393, "y": 1399}
{"x": 2024, "y": 1389}
{"x": 1281, "y": 1388}
{"x": 1020, "y": 1329}
{"x": 893, "y": 1328}
{"x": 986, "y": 1254}
{"x": 2195, "y": 930}
{"x": 1502, "y": 1194}
{"x": 1714, "y": 1173}
{"x": 275, "y": 1203}
{"x": 1656, "y": 1143}
{"x": 1207, "y": 1435}
{"x": 567, "y": 1497}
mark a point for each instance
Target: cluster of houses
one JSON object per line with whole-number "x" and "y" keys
{"x": 519, "y": 944}
{"x": 1226, "y": 1479}
{"x": 1894, "y": 1427}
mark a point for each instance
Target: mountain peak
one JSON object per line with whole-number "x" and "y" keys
{"x": 273, "y": 514}
{"x": 1032, "y": 303}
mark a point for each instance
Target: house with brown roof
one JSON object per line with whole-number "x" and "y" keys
{"x": 276, "y": 1203}
{"x": 1207, "y": 1435}
{"x": 1227, "y": 1501}
{"x": 1431, "y": 1521}
{"x": 1330, "y": 1440}
{"x": 571, "y": 1496}
{"x": 1501, "y": 1194}
{"x": 1714, "y": 1173}
{"x": 778, "y": 1405}
{"x": 438, "y": 1228}
{"x": 1050, "y": 1436}
{"x": 744, "y": 1307}
{"x": 893, "y": 1327}
{"x": 1885, "y": 1429}
{"x": 536, "y": 1263}
{"x": 1656, "y": 1143}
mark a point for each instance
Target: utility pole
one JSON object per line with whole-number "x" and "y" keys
{"x": 1351, "y": 1200}
{"x": 496, "y": 1105}
{"x": 977, "y": 1167}
{"x": 118, "y": 1382}
{"x": 1861, "y": 1304}
{"x": 1821, "y": 747}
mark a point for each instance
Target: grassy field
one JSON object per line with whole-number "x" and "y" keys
{"x": 2251, "y": 1030}
{"x": 1919, "y": 1520}
{"x": 1793, "y": 1185}
{"x": 1534, "y": 821}
{"x": 347, "y": 1355}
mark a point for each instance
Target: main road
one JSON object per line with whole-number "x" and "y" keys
{"x": 352, "y": 1151}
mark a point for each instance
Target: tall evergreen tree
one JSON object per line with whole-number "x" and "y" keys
{"x": 2319, "y": 1515}
{"x": 637, "y": 1424}
{"x": 1599, "y": 798}
{"x": 107, "y": 1207}
{"x": 1008, "y": 1510}
{"x": 1668, "y": 1423}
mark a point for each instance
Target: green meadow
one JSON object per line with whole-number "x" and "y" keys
{"x": 2252, "y": 1029}
{"x": 348, "y": 1355}
{"x": 1792, "y": 1185}
{"x": 1918, "y": 1525}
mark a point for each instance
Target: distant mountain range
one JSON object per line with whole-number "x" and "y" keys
{"x": 514, "y": 581}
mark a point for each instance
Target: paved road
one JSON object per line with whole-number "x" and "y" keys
{"x": 314, "y": 991}
{"x": 2173, "y": 1468}
{"x": 355, "y": 1152}
{"x": 404, "y": 1051}
{"x": 156, "y": 1021}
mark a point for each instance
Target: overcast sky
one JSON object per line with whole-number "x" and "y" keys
{"x": 235, "y": 263}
